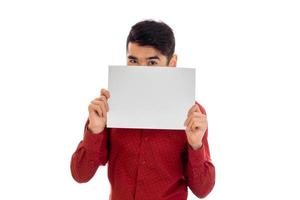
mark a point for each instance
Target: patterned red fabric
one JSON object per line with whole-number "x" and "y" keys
{"x": 145, "y": 164}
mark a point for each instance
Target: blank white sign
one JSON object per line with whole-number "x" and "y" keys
{"x": 150, "y": 97}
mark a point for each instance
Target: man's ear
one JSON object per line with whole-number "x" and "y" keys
{"x": 173, "y": 61}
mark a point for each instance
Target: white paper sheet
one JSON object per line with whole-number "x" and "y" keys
{"x": 150, "y": 97}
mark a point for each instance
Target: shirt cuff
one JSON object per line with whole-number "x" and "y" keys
{"x": 197, "y": 157}
{"x": 91, "y": 141}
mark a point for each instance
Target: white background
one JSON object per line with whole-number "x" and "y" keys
{"x": 53, "y": 62}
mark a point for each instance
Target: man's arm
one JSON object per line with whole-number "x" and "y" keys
{"x": 200, "y": 171}
{"x": 91, "y": 152}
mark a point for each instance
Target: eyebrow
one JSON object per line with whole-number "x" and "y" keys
{"x": 149, "y": 58}
{"x": 132, "y": 57}
{"x": 153, "y": 57}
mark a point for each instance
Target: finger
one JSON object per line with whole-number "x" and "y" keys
{"x": 191, "y": 110}
{"x": 190, "y": 123}
{"x": 95, "y": 108}
{"x": 105, "y": 93}
{"x": 195, "y": 114}
{"x": 194, "y": 108}
{"x": 98, "y": 98}
{"x": 96, "y": 102}
{"x": 101, "y": 99}
{"x": 104, "y": 99}
{"x": 187, "y": 121}
{"x": 195, "y": 122}
{"x": 103, "y": 108}
{"x": 102, "y": 105}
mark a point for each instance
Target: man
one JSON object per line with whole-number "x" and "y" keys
{"x": 147, "y": 164}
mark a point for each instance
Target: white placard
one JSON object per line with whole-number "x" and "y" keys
{"x": 150, "y": 97}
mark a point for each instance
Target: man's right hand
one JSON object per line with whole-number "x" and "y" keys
{"x": 98, "y": 109}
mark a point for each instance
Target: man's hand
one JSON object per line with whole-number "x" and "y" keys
{"x": 98, "y": 109}
{"x": 196, "y": 125}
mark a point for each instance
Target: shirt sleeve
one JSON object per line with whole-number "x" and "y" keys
{"x": 199, "y": 170}
{"x": 91, "y": 152}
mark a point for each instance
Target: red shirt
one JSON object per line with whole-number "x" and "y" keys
{"x": 145, "y": 164}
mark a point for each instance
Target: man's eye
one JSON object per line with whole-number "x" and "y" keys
{"x": 152, "y": 62}
{"x": 132, "y": 61}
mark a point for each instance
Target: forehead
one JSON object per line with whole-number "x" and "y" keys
{"x": 142, "y": 51}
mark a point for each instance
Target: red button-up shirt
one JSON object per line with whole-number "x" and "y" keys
{"x": 145, "y": 164}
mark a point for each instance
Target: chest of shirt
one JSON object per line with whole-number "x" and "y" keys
{"x": 132, "y": 141}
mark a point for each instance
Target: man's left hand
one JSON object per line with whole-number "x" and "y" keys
{"x": 196, "y": 125}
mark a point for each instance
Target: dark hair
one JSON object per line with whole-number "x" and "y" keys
{"x": 156, "y": 34}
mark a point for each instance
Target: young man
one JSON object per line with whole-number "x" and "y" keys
{"x": 147, "y": 164}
